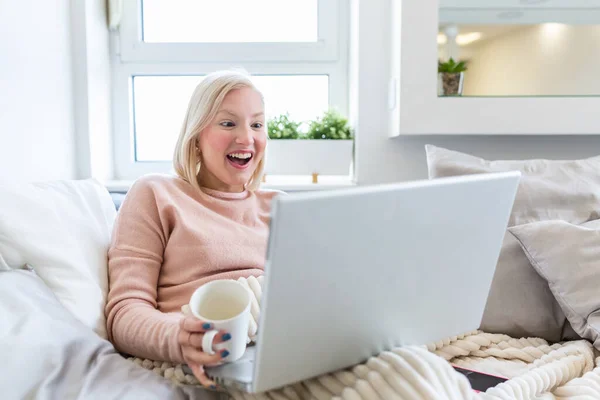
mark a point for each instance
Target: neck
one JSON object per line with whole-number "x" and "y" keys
{"x": 211, "y": 182}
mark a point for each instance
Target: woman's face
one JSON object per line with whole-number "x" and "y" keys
{"x": 233, "y": 144}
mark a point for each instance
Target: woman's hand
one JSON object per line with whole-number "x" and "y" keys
{"x": 190, "y": 339}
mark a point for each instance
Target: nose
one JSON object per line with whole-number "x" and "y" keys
{"x": 245, "y": 136}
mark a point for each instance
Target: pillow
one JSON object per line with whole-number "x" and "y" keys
{"x": 567, "y": 256}
{"x": 549, "y": 189}
{"x": 520, "y": 303}
{"x": 62, "y": 230}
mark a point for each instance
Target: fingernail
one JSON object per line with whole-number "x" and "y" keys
{"x": 224, "y": 353}
{"x": 206, "y": 325}
{"x": 226, "y": 336}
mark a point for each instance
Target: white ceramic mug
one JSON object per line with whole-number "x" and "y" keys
{"x": 225, "y": 304}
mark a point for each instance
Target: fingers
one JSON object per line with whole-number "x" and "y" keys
{"x": 190, "y": 339}
{"x": 191, "y": 324}
{"x": 196, "y": 326}
{"x": 195, "y": 339}
{"x": 199, "y": 373}
{"x": 195, "y": 355}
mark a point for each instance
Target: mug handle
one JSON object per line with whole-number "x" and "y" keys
{"x": 207, "y": 341}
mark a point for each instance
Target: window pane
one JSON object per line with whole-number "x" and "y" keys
{"x": 210, "y": 21}
{"x": 160, "y": 103}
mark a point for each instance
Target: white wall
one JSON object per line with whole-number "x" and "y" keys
{"x": 92, "y": 89}
{"x": 36, "y": 116}
{"x": 546, "y": 59}
{"x": 383, "y": 159}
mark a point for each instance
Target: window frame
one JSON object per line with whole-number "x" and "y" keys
{"x": 131, "y": 58}
{"x": 134, "y": 49}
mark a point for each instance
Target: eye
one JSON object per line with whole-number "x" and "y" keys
{"x": 227, "y": 124}
{"x": 257, "y": 125}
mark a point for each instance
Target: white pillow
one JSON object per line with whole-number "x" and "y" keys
{"x": 62, "y": 230}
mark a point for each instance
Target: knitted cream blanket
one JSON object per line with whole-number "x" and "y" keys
{"x": 536, "y": 370}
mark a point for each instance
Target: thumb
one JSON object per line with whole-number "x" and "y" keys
{"x": 199, "y": 373}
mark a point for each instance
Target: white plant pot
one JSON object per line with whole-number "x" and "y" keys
{"x": 306, "y": 157}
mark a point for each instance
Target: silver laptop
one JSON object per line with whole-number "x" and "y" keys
{"x": 352, "y": 272}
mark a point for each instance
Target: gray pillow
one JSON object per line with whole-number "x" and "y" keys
{"x": 568, "y": 190}
{"x": 567, "y": 256}
{"x": 520, "y": 302}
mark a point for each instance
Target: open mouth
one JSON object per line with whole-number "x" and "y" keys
{"x": 239, "y": 159}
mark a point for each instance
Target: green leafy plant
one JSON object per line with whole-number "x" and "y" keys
{"x": 332, "y": 125}
{"x": 451, "y": 66}
{"x": 282, "y": 127}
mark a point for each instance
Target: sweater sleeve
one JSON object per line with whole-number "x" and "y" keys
{"x": 135, "y": 326}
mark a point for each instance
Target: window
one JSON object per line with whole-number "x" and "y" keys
{"x": 154, "y": 137}
{"x": 268, "y": 21}
{"x": 295, "y": 49}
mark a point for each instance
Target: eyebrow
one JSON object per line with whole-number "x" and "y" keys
{"x": 258, "y": 114}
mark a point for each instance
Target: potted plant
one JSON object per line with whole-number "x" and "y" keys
{"x": 322, "y": 146}
{"x": 282, "y": 127}
{"x": 451, "y": 75}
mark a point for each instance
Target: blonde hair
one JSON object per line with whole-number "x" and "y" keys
{"x": 202, "y": 108}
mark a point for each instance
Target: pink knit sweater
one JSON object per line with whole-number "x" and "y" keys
{"x": 168, "y": 240}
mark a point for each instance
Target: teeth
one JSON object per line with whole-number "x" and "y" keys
{"x": 243, "y": 156}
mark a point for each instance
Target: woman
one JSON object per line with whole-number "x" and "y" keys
{"x": 175, "y": 233}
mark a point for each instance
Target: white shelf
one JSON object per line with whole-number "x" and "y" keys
{"x": 416, "y": 109}
{"x": 302, "y": 183}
